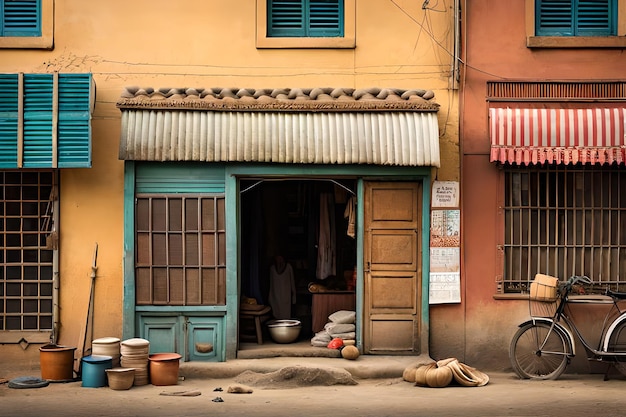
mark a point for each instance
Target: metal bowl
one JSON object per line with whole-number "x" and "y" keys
{"x": 284, "y": 331}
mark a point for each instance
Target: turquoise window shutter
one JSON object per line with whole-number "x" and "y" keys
{"x": 37, "y": 120}
{"x": 53, "y": 128}
{"x": 74, "y": 125}
{"x": 8, "y": 120}
{"x": 20, "y": 17}
{"x": 576, "y": 17}
{"x": 596, "y": 18}
{"x": 305, "y": 18}
{"x": 325, "y": 18}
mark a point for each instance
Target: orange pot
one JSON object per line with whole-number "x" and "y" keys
{"x": 164, "y": 368}
{"x": 56, "y": 362}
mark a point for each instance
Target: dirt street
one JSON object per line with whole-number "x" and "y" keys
{"x": 505, "y": 395}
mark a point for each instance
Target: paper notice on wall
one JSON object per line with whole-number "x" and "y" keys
{"x": 445, "y": 194}
{"x": 445, "y": 257}
{"x": 445, "y": 287}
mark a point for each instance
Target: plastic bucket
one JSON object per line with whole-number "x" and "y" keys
{"x": 56, "y": 362}
{"x": 164, "y": 368}
{"x": 94, "y": 370}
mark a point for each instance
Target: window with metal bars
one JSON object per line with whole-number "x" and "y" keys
{"x": 26, "y": 260}
{"x": 576, "y": 17}
{"x": 562, "y": 221}
{"x": 305, "y": 18}
{"x": 180, "y": 250}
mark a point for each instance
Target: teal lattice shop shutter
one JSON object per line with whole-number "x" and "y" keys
{"x": 45, "y": 120}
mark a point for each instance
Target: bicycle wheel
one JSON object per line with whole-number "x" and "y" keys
{"x": 617, "y": 343}
{"x": 531, "y": 363}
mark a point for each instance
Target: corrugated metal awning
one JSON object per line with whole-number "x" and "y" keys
{"x": 307, "y": 126}
{"x": 405, "y": 138}
{"x": 558, "y": 135}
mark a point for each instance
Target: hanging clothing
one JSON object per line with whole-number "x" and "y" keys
{"x": 326, "y": 238}
{"x": 350, "y": 214}
{"x": 282, "y": 291}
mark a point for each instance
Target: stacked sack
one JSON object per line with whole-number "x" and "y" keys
{"x": 341, "y": 325}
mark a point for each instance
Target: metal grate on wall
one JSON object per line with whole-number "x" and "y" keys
{"x": 563, "y": 221}
{"x": 555, "y": 90}
{"x": 180, "y": 250}
{"x": 26, "y": 266}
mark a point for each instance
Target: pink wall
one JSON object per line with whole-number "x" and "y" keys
{"x": 494, "y": 48}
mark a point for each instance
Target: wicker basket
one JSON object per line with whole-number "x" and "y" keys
{"x": 542, "y": 308}
{"x": 120, "y": 378}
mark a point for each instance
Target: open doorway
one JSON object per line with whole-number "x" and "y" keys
{"x": 308, "y": 223}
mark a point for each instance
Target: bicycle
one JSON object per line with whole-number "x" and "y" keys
{"x": 543, "y": 346}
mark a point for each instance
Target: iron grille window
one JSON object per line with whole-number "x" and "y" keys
{"x": 563, "y": 221}
{"x": 26, "y": 268}
{"x": 576, "y": 17}
{"x": 305, "y": 18}
{"x": 180, "y": 250}
{"x": 20, "y": 18}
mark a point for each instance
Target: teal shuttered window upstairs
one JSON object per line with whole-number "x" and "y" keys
{"x": 305, "y": 18}
{"x": 45, "y": 120}
{"x": 576, "y": 17}
{"x": 20, "y": 18}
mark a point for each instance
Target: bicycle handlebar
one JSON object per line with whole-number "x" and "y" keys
{"x": 575, "y": 279}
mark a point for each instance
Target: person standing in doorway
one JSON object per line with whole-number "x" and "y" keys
{"x": 282, "y": 288}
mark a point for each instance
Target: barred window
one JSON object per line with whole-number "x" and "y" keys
{"x": 180, "y": 250}
{"x": 561, "y": 221}
{"x": 26, "y": 254}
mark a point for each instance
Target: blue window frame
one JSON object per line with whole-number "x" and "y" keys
{"x": 305, "y": 18}
{"x": 575, "y": 17}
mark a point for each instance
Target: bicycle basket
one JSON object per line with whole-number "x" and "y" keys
{"x": 542, "y": 308}
{"x": 543, "y": 288}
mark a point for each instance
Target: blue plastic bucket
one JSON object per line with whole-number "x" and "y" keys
{"x": 94, "y": 370}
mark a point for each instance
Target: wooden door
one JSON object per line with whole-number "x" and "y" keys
{"x": 392, "y": 270}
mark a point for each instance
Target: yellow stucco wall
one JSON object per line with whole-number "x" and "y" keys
{"x": 200, "y": 43}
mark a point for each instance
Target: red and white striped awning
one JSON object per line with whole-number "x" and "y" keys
{"x": 564, "y": 136}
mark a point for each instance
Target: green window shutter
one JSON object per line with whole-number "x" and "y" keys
{"x": 75, "y": 98}
{"x": 8, "y": 120}
{"x": 596, "y": 18}
{"x": 325, "y": 18}
{"x": 305, "y": 18}
{"x": 286, "y": 18}
{"x": 38, "y": 120}
{"x": 575, "y": 17}
{"x": 74, "y": 125}
{"x": 20, "y": 17}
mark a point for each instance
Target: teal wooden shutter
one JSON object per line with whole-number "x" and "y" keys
{"x": 20, "y": 17}
{"x": 596, "y": 18}
{"x": 286, "y": 18}
{"x": 325, "y": 18}
{"x": 36, "y": 121}
{"x": 305, "y": 18}
{"x": 175, "y": 178}
{"x": 8, "y": 120}
{"x": 74, "y": 125}
{"x": 575, "y": 17}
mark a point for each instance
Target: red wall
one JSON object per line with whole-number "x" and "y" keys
{"x": 494, "y": 48}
